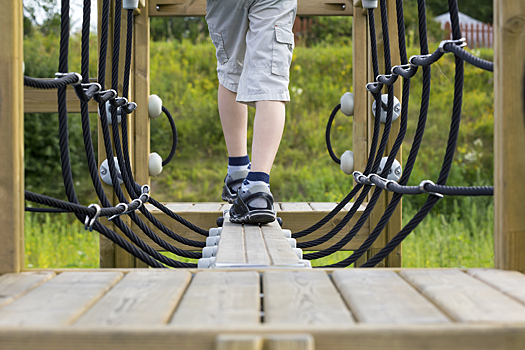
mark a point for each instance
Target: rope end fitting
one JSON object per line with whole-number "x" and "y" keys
{"x": 369, "y": 4}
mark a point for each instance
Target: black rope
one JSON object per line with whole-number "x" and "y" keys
{"x": 327, "y": 134}
{"x": 175, "y": 137}
{"x": 52, "y": 83}
{"x": 449, "y": 153}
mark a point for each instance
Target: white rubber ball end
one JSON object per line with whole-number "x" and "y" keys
{"x": 347, "y": 162}
{"x": 347, "y": 104}
{"x": 155, "y": 164}
{"x": 154, "y": 106}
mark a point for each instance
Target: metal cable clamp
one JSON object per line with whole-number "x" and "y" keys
{"x": 88, "y": 224}
{"x": 79, "y": 77}
{"x": 125, "y": 206}
{"x": 459, "y": 42}
{"x": 428, "y": 182}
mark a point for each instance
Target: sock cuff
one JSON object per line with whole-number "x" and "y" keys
{"x": 258, "y": 176}
{"x": 239, "y": 161}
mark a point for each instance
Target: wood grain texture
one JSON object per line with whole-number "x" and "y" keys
{"x": 278, "y": 247}
{"x": 255, "y": 247}
{"x": 464, "y": 298}
{"x": 231, "y": 245}
{"x": 11, "y": 137}
{"x": 302, "y": 297}
{"x": 290, "y": 342}
{"x": 14, "y": 285}
{"x": 511, "y": 283}
{"x": 376, "y": 296}
{"x": 192, "y": 8}
{"x": 295, "y": 206}
{"x": 45, "y": 101}
{"x": 220, "y": 298}
{"x": 428, "y": 337}
{"x": 509, "y": 134}
{"x": 140, "y": 298}
{"x": 239, "y": 342}
{"x": 60, "y": 301}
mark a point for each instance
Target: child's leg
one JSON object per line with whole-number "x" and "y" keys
{"x": 267, "y": 133}
{"x": 234, "y": 120}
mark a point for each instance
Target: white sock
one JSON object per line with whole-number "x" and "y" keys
{"x": 257, "y": 202}
{"x": 232, "y": 168}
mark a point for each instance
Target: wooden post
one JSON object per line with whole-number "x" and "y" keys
{"x": 11, "y": 137}
{"x": 140, "y": 93}
{"x": 360, "y": 78}
{"x": 395, "y": 223}
{"x": 509, "y": 134}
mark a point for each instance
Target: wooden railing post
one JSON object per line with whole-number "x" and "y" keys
{"x": 11, "y": 137}
{"x": 509, "y": 134}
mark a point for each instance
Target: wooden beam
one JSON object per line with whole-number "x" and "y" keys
{"x": 196, "y": 8}
{"x": 11, "y": 137}
{"x": 509, "y": 134}
{"x": 361, "y": 110}
{"x": 45, "y": 101}
{"x": 140, "y": 90}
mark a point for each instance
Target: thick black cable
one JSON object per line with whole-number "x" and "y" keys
{"x": 375, "y": 166}
{"x": 64, "y": 143}
{"x": 52, "y": 83}
{"x": 371, "y": 155}
{"x": 128, "y": 177}
{"x": 174, "y": 134}
{"x": 134, "y": 217}
{"x": 449, "y": 153}
{"x": 327, "y": 134}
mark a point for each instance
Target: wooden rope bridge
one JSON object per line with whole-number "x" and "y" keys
{"x": 264, "y": 298}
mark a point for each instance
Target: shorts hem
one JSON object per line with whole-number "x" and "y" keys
{"x": 251, "y": 99}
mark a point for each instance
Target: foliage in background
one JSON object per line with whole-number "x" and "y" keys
{"x": 479, "y": 9}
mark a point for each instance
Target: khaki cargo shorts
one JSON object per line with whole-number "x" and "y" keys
{"x": 254, "y": 45}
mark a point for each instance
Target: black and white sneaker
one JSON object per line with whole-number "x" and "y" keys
{"x": 232, "y": 182}
{"x": 253, "y": 206}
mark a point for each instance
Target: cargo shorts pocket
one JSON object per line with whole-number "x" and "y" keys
{"x": 222, "y": 56}
{"x": 282, "y": 50}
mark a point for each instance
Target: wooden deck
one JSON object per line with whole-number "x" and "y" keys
{"x": 296, "y": 217}
{"x": 270, "y": 309}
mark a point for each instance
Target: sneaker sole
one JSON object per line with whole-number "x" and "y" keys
{"x": 254, "y": 217}
{"x": 230, "y": 200}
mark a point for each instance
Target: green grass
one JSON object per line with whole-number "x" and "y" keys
{"x": 439, "y": 241}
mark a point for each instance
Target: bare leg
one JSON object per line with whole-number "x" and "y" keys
{"x": 267, "y": 133}
{"x": 234, "y": 120}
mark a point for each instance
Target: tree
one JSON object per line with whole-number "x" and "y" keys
{"x": 479, "y": 9}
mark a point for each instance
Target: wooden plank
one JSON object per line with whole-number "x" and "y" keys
{"x": 45, "y": 101}
{"x": 11, "y": 137}
{"x": 278, "y": 247}
{"x": 239, "y": 342}
{"x": 295, "y": 221}
{"x": 60, "y": 301}
{"x": 511, "y": 283}
{"x": 377, "y": 296}
{"x": 290, "y": 342}
{"x": 220, "y": 298}
{"x": 14, "y": 285}
{"x": 464, "y": 298}
{"x": 231, "y": 245}
{"x": 206, "y": 207}
{"x": 141, "y": 298}
{"x": 255, "y": 247}
{"x": 509, "y": 135}
{"x": 295, "y": 206}
{"x": 192, "y": 8}
{"x": 320, "y": 206}
{"x": 302, "y": 297}
{"x": 392, "y": 337}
